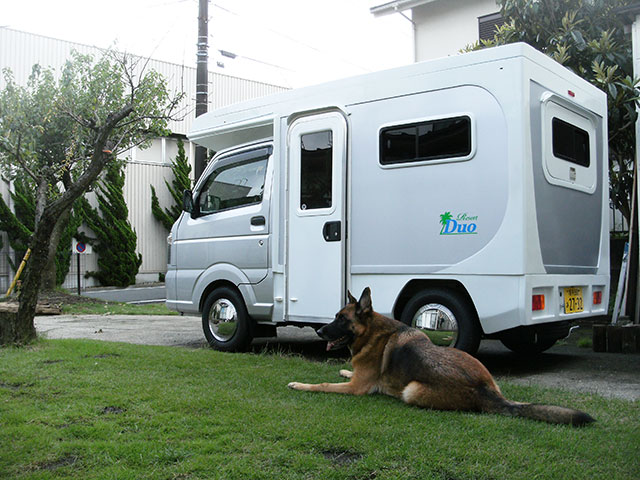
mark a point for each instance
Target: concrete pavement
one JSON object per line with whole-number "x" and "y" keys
{"x": 168, "y": 330}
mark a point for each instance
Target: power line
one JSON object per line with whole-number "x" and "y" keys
{"x": 294, "y": 40}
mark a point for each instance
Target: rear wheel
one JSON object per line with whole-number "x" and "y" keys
{"x": 446, "y": 317}
{"x": 225, "y": 321}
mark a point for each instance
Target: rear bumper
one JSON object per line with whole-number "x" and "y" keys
{"x": 553, "y": 288}
{"x": 506, "y": 302}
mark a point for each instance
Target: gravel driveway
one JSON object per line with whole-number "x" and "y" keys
{"x": 568, "y": 367}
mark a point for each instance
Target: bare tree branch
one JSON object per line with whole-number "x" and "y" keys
{"x": 16, "y": 154}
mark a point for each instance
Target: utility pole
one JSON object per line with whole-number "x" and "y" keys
{"x": 202, "y": 78}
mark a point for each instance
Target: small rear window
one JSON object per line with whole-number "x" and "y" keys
{"x": 570, "y": 143}
{"x": 430, "y": 140}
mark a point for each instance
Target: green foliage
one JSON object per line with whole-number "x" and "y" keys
{"x": 115, "y": 240}
{"x": 586, "y": 36}
{"x": 19, "y": 227}
{"x": 181, "y": 169}
{"x": 52, "y": 128}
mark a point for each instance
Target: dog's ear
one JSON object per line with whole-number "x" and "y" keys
{"x": 364, "y": 304}
{"x": 351, "y": 298}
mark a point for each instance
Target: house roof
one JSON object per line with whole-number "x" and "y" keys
{"x": 397, "y": 6}
{"x": 629, "y": 12}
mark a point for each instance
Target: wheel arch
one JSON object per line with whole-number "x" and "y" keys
{"x": 218, "y": 275}
{"x": 215, "y": 285}
{"x": 417, "y": 285}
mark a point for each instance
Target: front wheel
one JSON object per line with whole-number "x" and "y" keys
{"x": 225, "y": 321}
{"x": 446, "y": 317}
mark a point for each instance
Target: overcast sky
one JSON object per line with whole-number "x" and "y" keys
{"x": 285, "y": 42}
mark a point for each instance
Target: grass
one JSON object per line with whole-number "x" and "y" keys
{"x": 585, "y": 342}
{"x": 76, "y": 305}
{"x": 99, "y": 307}
{"x": 72, "y": 304}
{"x": 83, "y": 409}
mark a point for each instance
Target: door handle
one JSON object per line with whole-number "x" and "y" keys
{"x": 258, "y": 221}
{"x": 332, "y": 231}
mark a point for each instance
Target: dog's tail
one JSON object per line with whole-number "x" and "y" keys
{"x": 543, "y": 413}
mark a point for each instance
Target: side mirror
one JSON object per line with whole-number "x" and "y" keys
{"x": 187, "y": 201}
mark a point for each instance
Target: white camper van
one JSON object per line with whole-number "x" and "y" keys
{"x": 470, "y": 193}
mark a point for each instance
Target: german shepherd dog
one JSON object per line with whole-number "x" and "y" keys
{"x": 391, "y": 358}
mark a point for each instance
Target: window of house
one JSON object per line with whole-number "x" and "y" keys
{"x": 570, "y": 143}
{"x": 488, "y": 24}
{"x": 233, "y": 184}
{"x": 424, "y": 141}
{"x": 316, "y": 170}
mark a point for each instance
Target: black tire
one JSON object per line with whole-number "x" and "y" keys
{"x": 528, "y": 346}
{"x": 468, "y": 335}
{"x": 225, "y": 321}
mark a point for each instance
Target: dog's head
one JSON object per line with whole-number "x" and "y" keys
{"x": 350, "y": 322}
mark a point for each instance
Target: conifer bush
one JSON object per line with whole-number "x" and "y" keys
{"x": 181, "y": 181}
{"x": 115, "y": 240}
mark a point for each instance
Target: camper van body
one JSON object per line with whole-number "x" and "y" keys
{"x": 472, "y": 186}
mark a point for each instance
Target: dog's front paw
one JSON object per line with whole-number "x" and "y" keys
{"x": 295, "y": 385}
{"x": 346, "y": 373}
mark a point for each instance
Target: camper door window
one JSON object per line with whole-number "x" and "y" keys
{"x": 232, "y": 185}
{"x": 428, "y": 140}
{"x": 316, "y": 170}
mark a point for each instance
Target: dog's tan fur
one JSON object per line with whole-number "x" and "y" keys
{"x": 391, "y": 358}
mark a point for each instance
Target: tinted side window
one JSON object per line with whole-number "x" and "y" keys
{"x": 431, "y": 140}
{"x": 233, "y": 185}
{"x": 570, "y": 143}
{"x": 316, "y": 170}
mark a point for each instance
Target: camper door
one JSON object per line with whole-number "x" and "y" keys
{"x": 316, "y": 210}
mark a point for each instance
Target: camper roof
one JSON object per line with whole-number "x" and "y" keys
{"x": 252, "y": 120}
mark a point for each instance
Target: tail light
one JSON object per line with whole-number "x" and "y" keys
{"x": 597, "y": 298}
{"x": 537, "y": 302}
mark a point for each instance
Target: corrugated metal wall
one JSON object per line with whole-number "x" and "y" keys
{"x": 151, "y": 234}
{"x": 19, "y": 51}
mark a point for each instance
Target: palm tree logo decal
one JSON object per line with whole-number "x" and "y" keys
{"x": 444, "y": 218}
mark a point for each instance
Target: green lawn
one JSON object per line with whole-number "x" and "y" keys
{"x": 83, "y": 409}
{"x": 97, "y": 307}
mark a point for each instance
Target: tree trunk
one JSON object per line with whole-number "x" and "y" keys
{"x": 11, "y": 331}
{"x": 23, "y": 330}
{"x": 48, "y": 281}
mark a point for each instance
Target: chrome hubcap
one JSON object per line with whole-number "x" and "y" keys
{"x": 438, "y": 322}
{"x": 223, "y": 320}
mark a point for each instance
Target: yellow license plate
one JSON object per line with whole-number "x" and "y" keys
{"x": 573, "y": 300}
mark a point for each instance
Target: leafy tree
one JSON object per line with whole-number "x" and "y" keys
{"x": 586, "y": 36}
{"x": 61, "y": 132}
{"x": 181, "y": 182}
{"x": 115, "y": 240}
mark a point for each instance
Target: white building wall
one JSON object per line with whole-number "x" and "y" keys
{"x": 444, "y": 27}
{"x": 19, "y": 51}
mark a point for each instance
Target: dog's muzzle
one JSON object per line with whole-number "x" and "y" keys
{"x": 333, "y": 343}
